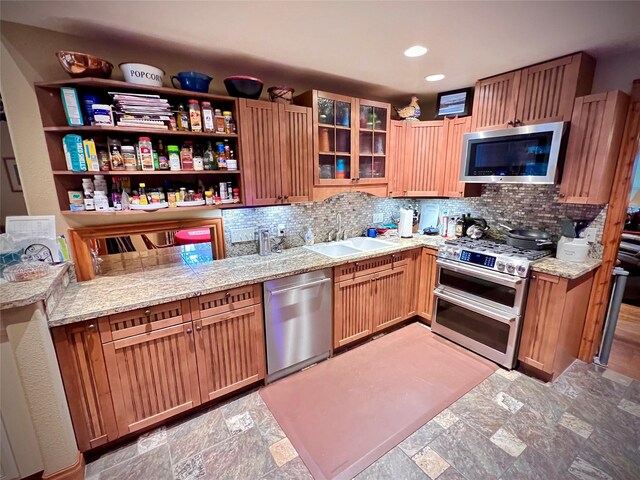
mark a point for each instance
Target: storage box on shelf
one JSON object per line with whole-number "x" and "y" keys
{"x": 350, "y": 143}
{"x": 55, "y": 127}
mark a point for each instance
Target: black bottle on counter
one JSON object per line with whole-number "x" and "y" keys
{"x": 460, "y": 227}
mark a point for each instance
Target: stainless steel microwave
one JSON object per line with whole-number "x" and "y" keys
{"x": 527, "y": 154}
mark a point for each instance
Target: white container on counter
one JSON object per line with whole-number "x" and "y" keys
{"x": 572, "y": 250}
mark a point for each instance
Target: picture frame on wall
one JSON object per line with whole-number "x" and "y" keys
{"x": 454, "y": 103}
{"x": 11, "y": 167}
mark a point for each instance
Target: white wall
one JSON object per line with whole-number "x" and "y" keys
{"x": 616, "y": 72}
{"x": 11, "y": 203}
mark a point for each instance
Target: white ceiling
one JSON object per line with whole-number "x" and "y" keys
{"x": 361, "y": 41}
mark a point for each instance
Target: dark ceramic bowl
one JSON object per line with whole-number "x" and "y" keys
{"x": 80, "y": 65}
{"x": 244, "y": 87}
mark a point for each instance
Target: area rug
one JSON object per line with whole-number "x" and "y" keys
{"x": 345, "y": 413}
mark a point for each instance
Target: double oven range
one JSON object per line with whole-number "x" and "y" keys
{"x": 480, "y": 296}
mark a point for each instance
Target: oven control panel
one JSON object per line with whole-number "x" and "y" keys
{"x": 496, "y": 262}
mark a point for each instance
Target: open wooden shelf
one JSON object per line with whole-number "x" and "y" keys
{"x": 106, "y": 84}
{"x": 141, "y": 130}
{"x": 122, "y": 173}
{"x": 170, "y": 209}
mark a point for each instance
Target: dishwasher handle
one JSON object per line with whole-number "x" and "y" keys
{"x": 296, "y": 287}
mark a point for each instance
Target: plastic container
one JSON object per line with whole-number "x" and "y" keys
{"x": 146, "y": 153}
{"x": 341, "y": 168}
{"x": 195, "y": 120}
{"x": 25, "y": 271}
{"x": 174, "y": 157}
{"x": 129, "y": 158}
{"x": 207, "y": 117}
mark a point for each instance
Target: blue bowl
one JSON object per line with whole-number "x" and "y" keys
{"x": 192, "y": 81}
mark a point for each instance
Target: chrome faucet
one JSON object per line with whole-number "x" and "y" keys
{"x": 263, "y": 236}
{"x": 340, "y": 233}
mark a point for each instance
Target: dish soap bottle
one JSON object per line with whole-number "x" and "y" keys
{"x": 308, "y": 237}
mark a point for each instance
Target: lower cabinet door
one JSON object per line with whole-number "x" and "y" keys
{"x": 153, "y": 376}
{"x": 352, "y": 310}
{"x": 388, "y": 289}
{"x": 427, "y": 283}
{"x": 230, "y": 351}
{"x": 84, "y": 374}
{"x": 412, "y": 282}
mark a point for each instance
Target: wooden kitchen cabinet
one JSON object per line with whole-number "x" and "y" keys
{"x": 84, "y": 374}
{"x": 352, "y": 310}
{"x": 427, "y": 283}
{"x": 596, "y": 132}
{"x": 553, "y": 323}
{"x": 537, "y": 94}
{"x": 153, "y": 376}
{"x": 276, "y": 140}
{"x": 372, "y": 142}
{"x": 230, "y": 351}
{"x": 412, "y": 284}
{"x": 425, "y": 175}
{"x": 455, "y": 128}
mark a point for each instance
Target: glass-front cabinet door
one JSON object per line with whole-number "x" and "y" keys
{"x": 372, "y": 148}
{"x": 334, "y": 128}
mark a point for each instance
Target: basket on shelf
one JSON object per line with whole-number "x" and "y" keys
{"x": 281, "y": 94}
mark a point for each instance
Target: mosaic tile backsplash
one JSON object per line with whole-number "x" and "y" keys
{"x": 518, "y": 205}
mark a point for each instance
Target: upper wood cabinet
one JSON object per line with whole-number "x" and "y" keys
{"x": 84, "y": 374}
{"x": 350, "y": 139}
{"x": 455, "y": 128}
{"x": 553, "y": 322}
{"x": 537, "y": 94}
{"x": 425, "y": 159}
{"x": 276, "y": 140}
{"x": 596, "y": 132}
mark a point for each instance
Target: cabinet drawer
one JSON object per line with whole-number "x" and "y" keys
{"x": 225, "y": 301}
{"x": 372, "y": 265}
{"x": 143, "y": 320}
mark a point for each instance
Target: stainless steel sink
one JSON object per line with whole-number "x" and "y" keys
{"x": 352, "y": 246}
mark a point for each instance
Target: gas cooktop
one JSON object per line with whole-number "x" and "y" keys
{"x": 491, "y": 255}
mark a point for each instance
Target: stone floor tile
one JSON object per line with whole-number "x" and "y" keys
{"x": 585, "y": 471}
{"x": 617, "y": 377}
{"x": 510, "y": 375}
{"x": 451, "y": 474}
{"x": 482, "y": 413}
{"x": 633, "y": 392}
{"x": 446, "y": 418}
{"x": 537, "y": 396}
{"x": 152, "y": 439}
{"x": 239, "y": 423}
{"x": 618, "y": 459}
{"x": 590, "y": 409}
{"x": 576, "y": 425}
{"x": 564, "y": 385}
{"x": 282, "y": 451}
{"x": 532, "y": 465}
{"x": 508, "y": 442}
{"x": 631, "y": 407}
{"x": 293, "y": 470}
{"x": 470, "y": 453}
{"x": 242, "y": 403}
{"x": 393, "y": 465}
{"x": 266, "y": 422}
{"x": 191, "y": 436}
{"x": 154, "y": 464}
{"x": 421, "y": 438}
{"x": 620, "y": 425}
{"x": 110, "y": 459}
{"x": 245, "y": 455}
{"x": 589, "y": 378}
{"x": 189, "y": 469}
{"x": 492, "y": 385}
{"x": 430, "y": 462}
{"x": 508, "y": 402}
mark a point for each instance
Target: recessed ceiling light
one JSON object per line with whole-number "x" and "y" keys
{"x": 434, "y": 78}
{"x": 415, "y": 51}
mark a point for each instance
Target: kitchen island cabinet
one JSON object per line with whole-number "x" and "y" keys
{"x": 553, "y": 322}
{"x": 537, "y": 94}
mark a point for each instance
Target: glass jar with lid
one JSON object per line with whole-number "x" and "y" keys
{"x": 207, "y": 118}
{"x": 195, "y": 120}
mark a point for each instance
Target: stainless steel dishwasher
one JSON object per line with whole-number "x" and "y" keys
{"x": 298, "y": 318}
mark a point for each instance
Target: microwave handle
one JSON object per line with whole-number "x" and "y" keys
{"x": 474, "y": 307}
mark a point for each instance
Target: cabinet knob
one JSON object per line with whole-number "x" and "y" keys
{"x": 279, "y": 198}
{"x": 534, "y": 277}
{"x": 517, "y": 122}
{"x": 189, "y": 331}
{"x": 286, "y": 198}
{"x": 92, "y": 326}
{"x": 228, "y": 294}
{"x": 198, "y": 328}
{"x": 147, "y": 313}
{"x": 561, "y": 195}
{"x": 510, "y": 122}
{"x": 357, "y": 264}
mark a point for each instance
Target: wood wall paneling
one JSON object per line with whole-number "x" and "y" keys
{"x": 614, "y": 223}
{"x": 84, "y": 374}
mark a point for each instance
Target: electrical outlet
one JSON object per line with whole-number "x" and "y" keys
{"x": 590, "y": 234}
{"x": 239, "y": 235}
{"x": 281, "y": 229}
{"x": 377, "y": 217}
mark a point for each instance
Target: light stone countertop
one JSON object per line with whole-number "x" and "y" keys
{"x": 112, "y": 294}
{"x": 19, "y": 294}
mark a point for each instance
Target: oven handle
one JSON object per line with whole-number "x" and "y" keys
{"x": 474, "y": 307}
{"x": 499, "y": 278}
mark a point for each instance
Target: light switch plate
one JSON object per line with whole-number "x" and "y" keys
{"x": 239, "y": 235}
{"x": 377, "y": 217}
{"x": 590, "y": 234}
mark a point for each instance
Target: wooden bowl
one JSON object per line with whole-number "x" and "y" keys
{"x": 79, "y": 65}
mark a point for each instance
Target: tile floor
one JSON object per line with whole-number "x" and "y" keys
{"x": 585, "y": 425}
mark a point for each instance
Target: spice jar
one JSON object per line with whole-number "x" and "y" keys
{"x": 129, "y": 157}
{"x": 227, "y": 121}
{"x": 115, "y": 154}
{"x": 146, "y": 153}
{"x": 195, "y": 120}
{"x": 174, "y": 157}
{"x": 219, "y": 121}
{"x": 207, "y": 117}
{"x": 186, "y": 156}
{"x": 182, "y": 120}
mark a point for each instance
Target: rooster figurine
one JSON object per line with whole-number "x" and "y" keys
{"x": 410, "y": 112}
